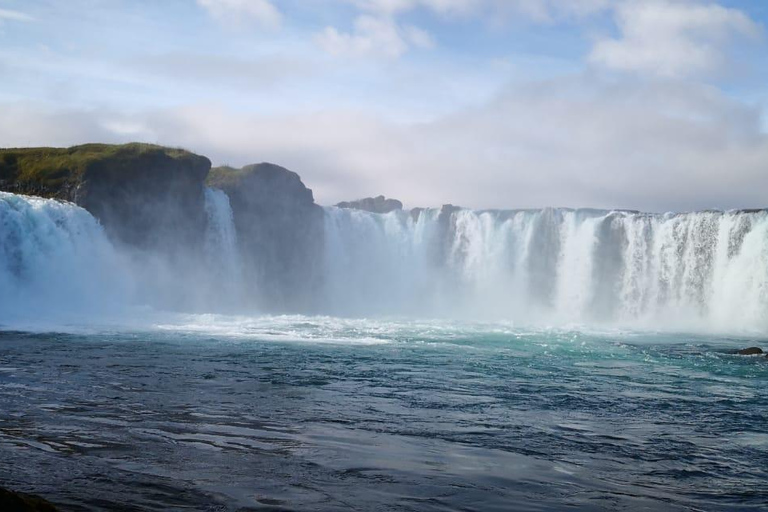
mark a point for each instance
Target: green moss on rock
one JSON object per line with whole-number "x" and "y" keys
{"x": 143, "y": 194}
{"x": 280, "y": 232}
{"x": 56, "y": 172}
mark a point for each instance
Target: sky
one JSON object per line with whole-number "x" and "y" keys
{"x": 655, "y": 105}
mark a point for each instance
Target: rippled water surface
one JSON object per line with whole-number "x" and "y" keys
{"x": 300, "y": 413}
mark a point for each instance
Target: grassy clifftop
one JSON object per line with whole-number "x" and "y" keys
{"x": 224, "y": 176}
{"x": 54, "y": 172}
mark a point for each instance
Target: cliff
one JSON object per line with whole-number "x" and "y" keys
{"x": 143, "y": 194}
{"x": 378, "y": 204}
{"x": 280, "y": 232}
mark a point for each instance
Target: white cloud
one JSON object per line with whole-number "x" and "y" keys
{"x": 390, "y": 7}
{"x": 378, "y": 32}
{"x": 235, "y": 12}
{"x": 537, "y": 10}
{"x": 578, "y": 141}
{"x": 672, "y": 39}
{"x": 373, "y": 36}
{"x": 9, "y": 15}
{"x": 248, "y": 73}
{"x": 427, "y": 132}
{"x": 549, "y": 11}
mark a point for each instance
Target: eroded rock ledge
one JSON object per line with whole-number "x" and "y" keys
{"x": 142, "y": 193}
{"x": 378, "y": 204}
{"x": 280, "y": 229}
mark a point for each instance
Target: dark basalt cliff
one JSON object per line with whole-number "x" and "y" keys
{"x": 280, "y": 231}
{"x": 143, "y": 194}
{"x": 149, "y": 196}
{"x": 378, "y": 204}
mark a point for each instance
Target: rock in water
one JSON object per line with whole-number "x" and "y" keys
{"x": 378, "y": 204}
{"x": 18, "y": 502}
{"x": 751, "y": 351}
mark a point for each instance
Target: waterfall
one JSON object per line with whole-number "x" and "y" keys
{"x": 224, "y": 268}
{"x": 56, "y": 260}
{"x": 705, "y": 270}
{"x": 691, "y": 271}
{"x": 57, "y": 264}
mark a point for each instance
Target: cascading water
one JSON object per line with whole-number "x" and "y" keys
{"x": 57, "y": 264}
{"x": 221, "y": 248}
{"x": 55, "y": 260}
{"x": 706, "y": 270}
{"x": 694, "y": 271}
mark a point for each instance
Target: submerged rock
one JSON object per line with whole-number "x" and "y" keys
{"x": 18, "y": 502}
{"x": 378, "y": 204}
{"x": 751, "y": 351}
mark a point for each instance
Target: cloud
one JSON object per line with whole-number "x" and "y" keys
{"x": 431, "y": 131}
{"x": 9, "y": 15}
{"x": 580, "y": 141}
{"x": 548, "y": 11}
{"x": 246, "y": 73}
{"x": 236, "y": 12}
{"x": 374, "y": 36}
{"x": 24, "y": 124}
{"x": 536, "y": 10}
{"x": 378, "y": 32}
{"x": 539, "y": 10}
{"x": 672, "y": 39}
{"x": 390, "y": 7}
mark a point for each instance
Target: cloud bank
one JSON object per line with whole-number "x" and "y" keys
{"x": 649, "y": 115}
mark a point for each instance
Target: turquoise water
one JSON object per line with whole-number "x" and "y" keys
{"x": 320, "y": 413}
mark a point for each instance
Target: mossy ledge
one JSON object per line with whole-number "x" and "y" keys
{"x": 58, "y": 172}
{"x": 143, "y": 194}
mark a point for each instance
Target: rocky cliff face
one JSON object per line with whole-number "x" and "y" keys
{"x": 280, "y": 232}
{"x": 378, "y": 204}
{"x": 144, "y": 195}
{"x": 152, "y": 197}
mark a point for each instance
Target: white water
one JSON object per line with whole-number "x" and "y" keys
{"x": 224, "y": 266}
{"x": 703, "y": 271}
{"x": 58, "y": 265}
{"x": 55, "y": 261}
{"x": 696, "y": 271}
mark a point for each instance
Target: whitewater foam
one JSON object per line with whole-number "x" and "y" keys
{"x": 55, "y": 260}
{"x": 704, "y": 271}
{"x": 694, "y": 271}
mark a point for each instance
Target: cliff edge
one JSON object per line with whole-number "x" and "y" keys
{"x": 142, "y": 193}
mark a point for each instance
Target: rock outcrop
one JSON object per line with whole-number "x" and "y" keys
{"x": 19, "y": 502}
{"x": 378, "y": 204}
{"x": 280, "y": 231}
{"x": 751, "y": 351}
{"x": 144, "y": 195}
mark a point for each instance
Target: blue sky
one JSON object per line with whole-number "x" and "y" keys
{"x": 648, "y": 104}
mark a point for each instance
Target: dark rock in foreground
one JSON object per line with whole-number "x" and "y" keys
{"x": 751, "y": 351}
{"x": 378, "y": 204}
{"x": 18, "y": 502}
